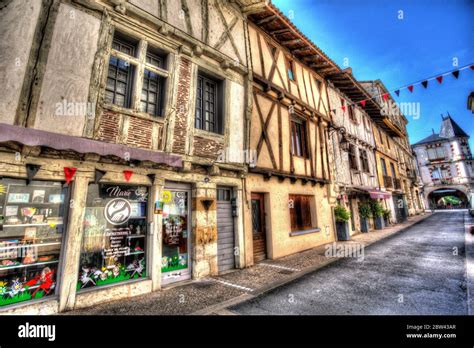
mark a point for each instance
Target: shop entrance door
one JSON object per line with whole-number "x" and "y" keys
{"x": 258, "y": 228}
{"x": 176, "y": 230}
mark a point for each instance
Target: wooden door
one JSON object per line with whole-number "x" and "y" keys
{"x": 258, "y": 228}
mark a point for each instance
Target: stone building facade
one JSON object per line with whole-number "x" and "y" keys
{"x": 446, "y": 166}
{"x": 122, "y": 132}
{"x": 354, "y": 166}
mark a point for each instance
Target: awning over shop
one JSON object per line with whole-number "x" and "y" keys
{"x": 380, "y": 195}
{"x": 35, "y": 137}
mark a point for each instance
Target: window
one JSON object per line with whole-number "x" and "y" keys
{"x": 384, "y": 166}
{"x": 119, "y": 83}
{"x": 150, "y": 101}
{"x": 115, "y": 228}
{"x": 353, "y": 157}
{"x": 32, "y": 225}
{"x": 436, "y": 174}
{"x": 388, "y": 142}
{"x": 208, "y": 104}
{"x": 380, "y": 136}
{"x": 118, "y": 90}
{"x": 124, "y": 44}
{"x": 436, "y": 153}
{"x": 120, "y": 79}
{"x": 364, "y": 160}
{"x": 392, "y": 168}
{"x": 298, "y": 138}
{"x": 300, "y": 212}
{"x": 352, "y": 116}
{"x": 291, "y": 70}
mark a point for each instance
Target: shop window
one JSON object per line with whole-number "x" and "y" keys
{"x": 209, "y": 109}
{"x": 175, "y": 254}
{"x": 300, "y": 212}
{"x": 298, "y": 138}
{"x": 32, "y": 225}
{"x": 115, "y": 229}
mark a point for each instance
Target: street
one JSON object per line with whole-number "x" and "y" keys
{"x": 420, "y": 271}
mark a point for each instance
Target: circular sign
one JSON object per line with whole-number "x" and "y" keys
{"x": 117, "y": 211}
{"x": 166, "y": 196}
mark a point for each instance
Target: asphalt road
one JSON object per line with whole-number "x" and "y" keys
{"x": 420, "y": 271}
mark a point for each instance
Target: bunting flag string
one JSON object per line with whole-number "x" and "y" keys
{"x": 410, "y": 87}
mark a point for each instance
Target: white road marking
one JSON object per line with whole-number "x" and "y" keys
{"x": 232, "y": 284}
{"x": 280, "y": 267}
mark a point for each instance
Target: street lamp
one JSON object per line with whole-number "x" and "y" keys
{"x": 343, "y": 142}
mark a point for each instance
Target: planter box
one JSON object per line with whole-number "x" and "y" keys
{"x": 379, "y": 223}
{"x": 364, "y": 225}
{"x": 342, "y": 229}
{"x": 386, "y": 221}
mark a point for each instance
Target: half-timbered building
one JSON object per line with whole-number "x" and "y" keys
{"x": 122, "y": 134}
{"x": 288, "y": 188}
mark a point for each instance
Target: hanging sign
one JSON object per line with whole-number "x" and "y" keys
{"x": 158, "y": 207}
{"x": 132, "y": 193}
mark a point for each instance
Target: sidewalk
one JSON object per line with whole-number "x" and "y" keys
{"x": 213, "y": 295}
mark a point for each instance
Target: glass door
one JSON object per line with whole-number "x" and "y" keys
{"x": 175, "y": 262}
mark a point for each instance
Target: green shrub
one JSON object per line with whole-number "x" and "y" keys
{"x": 387, "y": 213}
{"x": 365, "y": 211}
{"x": 377, "y": 208}
{"x": 341, "y": 213}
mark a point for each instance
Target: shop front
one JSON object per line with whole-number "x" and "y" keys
{"x": 176, "y": 231}
{"x": 115, "y": 230}
{"x": 32, "y": 225}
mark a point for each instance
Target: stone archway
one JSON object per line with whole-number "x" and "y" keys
{"x": 448, "y": 198}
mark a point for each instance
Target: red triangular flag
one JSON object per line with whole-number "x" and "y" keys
{"x": 410, "y": 88}
{"x": 440, "y": 78}
{"x": 362, "y": 102}
{"x": 385, "y": 96}
{"x": 69, "y": 174}
{"x": 343, "y": 108}
{"x": 127, "y": 175}
{"x": 472, "y": 67}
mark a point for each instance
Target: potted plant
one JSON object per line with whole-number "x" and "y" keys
{"x": 386, "y": 216}
{"x": 377, "y": 212}
{"x": 365, "y": 214}
{"x": 342, "y": 226}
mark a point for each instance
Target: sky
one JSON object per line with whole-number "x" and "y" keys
{"x": 379, "y": 42}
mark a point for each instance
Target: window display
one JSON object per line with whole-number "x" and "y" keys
{"x": 175, "y": 255}
{"x": 31, "y": 230}
{"x": 115, "y": 229}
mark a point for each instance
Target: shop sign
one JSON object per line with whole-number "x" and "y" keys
{"x": 134, "y": 193}
{"x": 117, "y": 211}
{"x": 166, "y": 196}
{"x": 117, "y": 242}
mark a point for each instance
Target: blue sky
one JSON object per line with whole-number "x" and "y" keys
{"x": 379, "y": 45}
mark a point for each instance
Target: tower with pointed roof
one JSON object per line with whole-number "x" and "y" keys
{"x": 446, "y": 166}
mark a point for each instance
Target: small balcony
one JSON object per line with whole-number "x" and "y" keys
{"x": 388, "y": 181}
{"x": 397, "y": 184}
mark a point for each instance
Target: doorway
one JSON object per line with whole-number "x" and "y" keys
{"x": 258, "y": 227}
{"x": 176, "y": 247}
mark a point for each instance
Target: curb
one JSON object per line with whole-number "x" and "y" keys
{"x": 222, "y": 307}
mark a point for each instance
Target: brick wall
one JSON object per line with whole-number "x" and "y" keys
{"x": 139, "y": 133}
{"x": 207, "y": 147}
{"x": 182, "y": 103}
{"x": 109, "y": 127}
